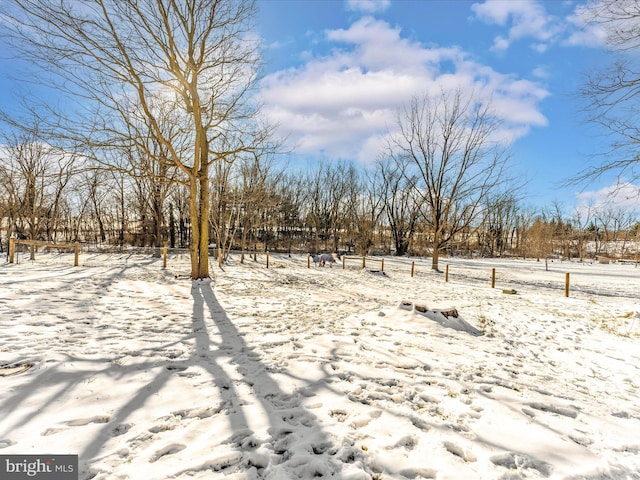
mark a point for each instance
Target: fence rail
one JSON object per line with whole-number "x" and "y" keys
{"x": 460, "y": 274}
{"x": 363, "y": 261}
{"x": 13, "y": 242}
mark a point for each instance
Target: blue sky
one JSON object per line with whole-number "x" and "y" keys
{"x": 336, "y": 71}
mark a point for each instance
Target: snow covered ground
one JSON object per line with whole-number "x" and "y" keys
{"x": 289, "y": 372}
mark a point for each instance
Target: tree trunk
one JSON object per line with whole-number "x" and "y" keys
{"x": 436, "y": 251}
{"x": 203, "y": 226}
{"x": 435, "y": 258}
{"x": 194, "y": 212}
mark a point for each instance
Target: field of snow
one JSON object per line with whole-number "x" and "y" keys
{"x": 296, "y": 373}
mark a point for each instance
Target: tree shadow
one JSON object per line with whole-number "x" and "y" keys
{"x": 271, "y": 431}
{"x": 298, "y": 445}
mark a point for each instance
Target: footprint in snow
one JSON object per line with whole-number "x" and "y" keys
{"x": 559, "y": 410}
{"x": 458, "y": 451}
{"x": 121, "y": 429}
{"x": 86, "y": 421}
{"x": 408, "y": 442}
{"x": 297, "y": 417}
{"x": 6, "y": 443}
{"x": 283, "y": 400}
{"x": 80, "y": 422}
{"x": 420, "y": 423}
{"x": 196, "y": 413}
{"x": 364, "y": 420}
{"x": 419, "y": 473}
{"x": 519, "y": 461}
{"x": 245, "y": 440}
{"x": 339, "y": 415}
{"x": 170, "y": 449}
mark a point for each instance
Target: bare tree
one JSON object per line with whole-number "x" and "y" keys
{"x": 328, "y": 188}
{"x": 612, "y": 94}
{"x": 337, "y": 180}
{"x": 318, "y": 211}
{"x": 122, "y": 58}
{"x": 149, "y": 162}
{"x": 364, "y": 207}
{"x": 498, "y": 224}
{"x": 33, "y": 179}
{"x": 540, "y": 239}
{"x": 291, "y": 194}
{"x": 447, "y": 142}
{"x": 564, "y": 230}
{"x": 581, "y": 220}
{"x": 614, "y": 224}
{"x": 402, "y": 204}
{"x": 524, "y": 220}
{"x": 120, "y": 191}
{"x": 96, "y": 192}
{"x": 623, "y": 222}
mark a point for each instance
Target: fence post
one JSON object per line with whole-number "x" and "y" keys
{"x": 446, "y": 273}
{"x": 76, "y": 249}
{"x": 308, "y": 260}
{"x": 267, "y": 258}
{"x": 566, "y": 284}
{"x": 382, "y": 265}
{"x": 413, "y": 266}
{"x": 343, "y": 260}
{"x": 493, "y": 278}
{"x": 12, "y": 248}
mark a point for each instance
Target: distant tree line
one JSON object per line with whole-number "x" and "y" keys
{"x": 258, "y": 205}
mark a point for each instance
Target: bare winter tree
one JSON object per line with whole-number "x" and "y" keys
{"x": 498, "y": 224}
{"x": 291, "y": 196}
{"x": 581, "y": 220}
{"x": 122, "y": 58}
{"x": 614, "y": 224}
{"x": 613, "y": 94}
{"x": 524, "y": 220}
{"x": 447, "y": 141}
{"x": 327, "y": 194}
{"x": 33, "y": 180}
{"x": 564, "y": 230}
{"x": 402, "y": 203}
{"x": 540, "y": 239}
{"x": 364, "y": 207}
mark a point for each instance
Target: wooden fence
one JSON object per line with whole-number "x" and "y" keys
{"x": 13, "y": 242}
{"x": 363, "y": 261}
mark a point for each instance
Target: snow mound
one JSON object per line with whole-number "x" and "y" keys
{"x": 447, "y": 317}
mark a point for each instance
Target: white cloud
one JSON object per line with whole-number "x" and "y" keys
{"x": 342, "y": 104}
{"x": 541, "y": 71}
{"x": 618, "y": 196}
{"x": 500, "y": 44}
{"x": 368, "y": 6}
{"x": 585, "y": 32}
{"x": 526, "y": 19}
